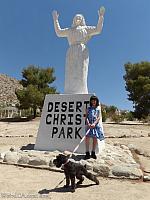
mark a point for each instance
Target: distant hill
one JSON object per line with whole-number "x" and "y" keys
{"x": 8, "y": 87}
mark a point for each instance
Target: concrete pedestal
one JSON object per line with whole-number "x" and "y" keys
{"x": 62, "y": 124}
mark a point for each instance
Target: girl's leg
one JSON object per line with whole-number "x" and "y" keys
{"x": 94, "y": 147}
{"x": 94, "y": 144}
{"x": 87, "y": 142}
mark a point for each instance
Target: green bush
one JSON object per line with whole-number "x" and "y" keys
{"x": 117, "y": 118}
{"x": 129, "y": 116}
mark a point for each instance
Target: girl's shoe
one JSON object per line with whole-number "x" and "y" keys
{"x": 93, "y": 155}
{"x": 87, "y": 155}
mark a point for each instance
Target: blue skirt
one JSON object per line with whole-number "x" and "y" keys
{"x": 96, "y": 132}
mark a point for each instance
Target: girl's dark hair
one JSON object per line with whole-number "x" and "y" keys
{"x": 93, "y": 97}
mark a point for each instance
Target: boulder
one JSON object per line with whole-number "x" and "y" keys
{"x": 24, "y": 159}
{"x": 36, "y": 161}
{"x": 11, "y": 157}
{"x": 127, "y": 171}
{"x": 101, "y": 170}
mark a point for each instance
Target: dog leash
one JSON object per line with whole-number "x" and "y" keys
{"x": 80, "y": 142}
{"x": 60, "y": 183}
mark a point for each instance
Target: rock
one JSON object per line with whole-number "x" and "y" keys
{"x": 2, "y": 154}
{"x": 123, "y": 159}
{"x": 132, "y": 146}
{"x": 142, "y": 136}
{"x": 148, "y": 134}
{"x": 101, "y": 170}
{"x": 112, "y": 136}
{"x": 108, "y": 151}
{"x": 108, "y": 162}
{"x": 24, "y": 159}
{"x": 31, "y": 135}
{"x": 37, "y": 161}
{"x": 122, "y": 136}
{"x": 1, "y": 135}
{"x": 146, "y": 154}
{"x": 146, "y": 178}
{"x": 116, "y": 144}
{"x": 124, "y": 147}
{"x": 11, "y": 157}
{"x": 128, "y": 152}
{"x": 51, "y": 164}
{"x": 67, "y": 153}
{"x": 54, "y": 153}
{"x": 12, "y": 149}
{"x": 127, "y": 171}
{"x": 135, "y": 136}
{"x": 139, "y": 151}
{"x": 115, "y": 161}
{"x": 101, "y": 161}
{"x": 46, "y": 152}
{"x": 87, "y": 165}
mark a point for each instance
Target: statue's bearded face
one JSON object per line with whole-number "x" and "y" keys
{"x": 78, "y": 20}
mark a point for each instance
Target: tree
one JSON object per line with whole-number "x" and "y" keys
{"x": 103, "y": 112}
{"x": 129, "y": 116}
{"x": 137, "y": 79}
{"x": 36, "y": 84}
{"x": 108, "y": 112}
{"x": 111, "y": 110}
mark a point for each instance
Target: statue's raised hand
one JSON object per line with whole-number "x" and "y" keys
{"x": 55, "y": 15}
{"x": 101, "y": 11}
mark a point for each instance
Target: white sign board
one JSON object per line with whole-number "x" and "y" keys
{"x": 62, "y": 124}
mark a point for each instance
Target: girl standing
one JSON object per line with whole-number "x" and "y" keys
{"x": 94, "y": 127}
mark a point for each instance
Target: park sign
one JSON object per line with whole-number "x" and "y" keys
{"x": 62, "y": 124}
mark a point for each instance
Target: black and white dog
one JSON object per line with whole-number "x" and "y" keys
{"x": 72, "y": 170}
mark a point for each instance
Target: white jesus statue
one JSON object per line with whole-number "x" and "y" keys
{"x": 77, "y": 58}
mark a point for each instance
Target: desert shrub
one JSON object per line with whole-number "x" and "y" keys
{"x": 117, "y": 118}
{"x": 146, "y": 119}
{"x": 104, "y": 115}
{"x": 129, "y": 116}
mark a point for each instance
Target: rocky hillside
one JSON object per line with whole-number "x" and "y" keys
{"x": 8, "y": 86}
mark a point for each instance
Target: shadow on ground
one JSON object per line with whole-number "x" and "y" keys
{"x": 28, "y": 147}
{"x": 62, "y": 189}
{"x": 17, "y": 119}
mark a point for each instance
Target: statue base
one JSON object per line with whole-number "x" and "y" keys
{"x": 62, "y": 124}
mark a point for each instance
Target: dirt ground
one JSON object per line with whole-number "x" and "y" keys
{"x": 26, "y": 183}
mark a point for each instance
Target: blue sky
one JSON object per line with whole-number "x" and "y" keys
{"x": 27, "y": 36}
